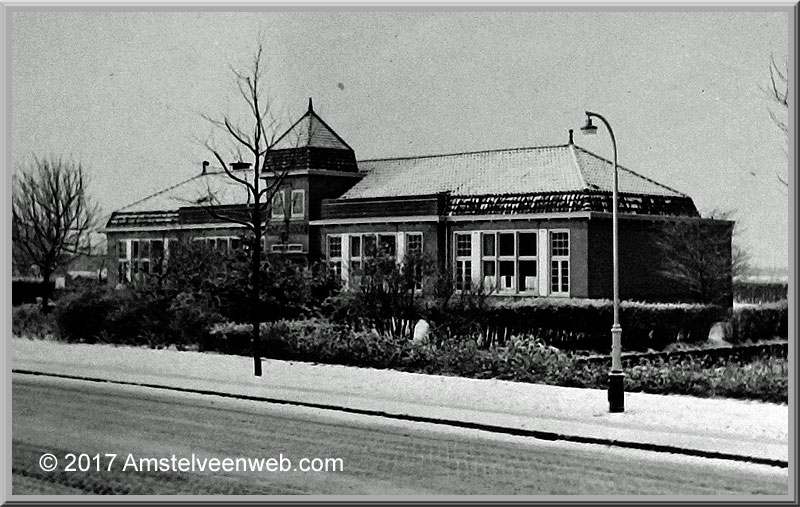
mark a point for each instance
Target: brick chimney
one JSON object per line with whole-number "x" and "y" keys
{"x": 236, "y": 166}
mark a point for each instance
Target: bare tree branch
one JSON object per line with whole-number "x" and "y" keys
{"x": 51, "y": 215}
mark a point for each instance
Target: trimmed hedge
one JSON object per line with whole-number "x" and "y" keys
{"x": 747, "y": 291}
{"x": 759, "y": 322}
{"x": 579, "y": 324}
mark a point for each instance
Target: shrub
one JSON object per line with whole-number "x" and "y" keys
{"x": 759, "y": 322}
{"x": 82, "y": 316}
{"x": 29, "y": 321}
{"x": 521, "y": 359}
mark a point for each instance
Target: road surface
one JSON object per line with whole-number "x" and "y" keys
{"x": 151, "y": 430}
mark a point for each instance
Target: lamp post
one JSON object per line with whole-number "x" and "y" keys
{"x": 616, "y": 392}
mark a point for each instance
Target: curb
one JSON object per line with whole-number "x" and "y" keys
{"x": 541, "y": 435}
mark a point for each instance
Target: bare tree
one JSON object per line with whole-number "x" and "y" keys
{"x": 702, "y": 255}
{"x": 254, "y": 141}
{"x": 778, "y": 92}
{"x": 51, "y": 216}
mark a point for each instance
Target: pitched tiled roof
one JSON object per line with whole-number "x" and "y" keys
{"x": 565, "y": 168}
{"x": 310, "y": 131}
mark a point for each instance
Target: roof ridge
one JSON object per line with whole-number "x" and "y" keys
{"x": 161, "y": 192}
{"x": 581, "y": 176}
{"x": 526, "y": 148}
{"x": 632, "y": 172}
{"x": 290, "y": 129}
{"x": 325, "y": 124}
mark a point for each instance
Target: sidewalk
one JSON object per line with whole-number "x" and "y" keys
{"x": 744, "y": 428}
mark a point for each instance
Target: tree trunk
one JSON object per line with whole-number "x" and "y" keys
{"x": 45, "y": 291}
{"x": 255, "y": 299}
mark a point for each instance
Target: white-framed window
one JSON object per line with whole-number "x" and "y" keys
{"x": 224, "y": 244}
{"x": 123, "y": 261}
{"x": 414, "y": 247}
{"x": 298, "y": 208}
{"x": 463, "y": 264}
{"x": 559, "y": 262}
{"x": 414, "y": 243}
{"x": 278, "y": 204}
{"x": 334, "y": 254}
{"x": 387, "y": 244}
{"x": 287, "y": 248}
{"x": 137, "y": 258}
{"x": 356, "y": 253}
{"x": 509, "y": 262}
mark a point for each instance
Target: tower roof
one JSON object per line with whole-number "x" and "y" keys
{"x": 310, "y": 131}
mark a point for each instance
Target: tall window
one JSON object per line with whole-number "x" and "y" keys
{"x": 335, "y": 254}
{"x": 355, "y": 259}
{"x": 123, "y": 262}
{"x": 278, "y": 203}
{"x": 526, "y": 254}
{"x": 298, "y": 203}
{"x": 559, "y": 262}
{"x": 414, "y": 250}
{"x": 463, "y": 261}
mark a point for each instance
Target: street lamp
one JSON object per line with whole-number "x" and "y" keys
{"x": 616, "y": 392}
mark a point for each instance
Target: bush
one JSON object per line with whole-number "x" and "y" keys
{"x": 759, "y": 322}
{"x": 29, "y": 321}
{"x": 82, "y": 316}
{"x": 522, "y": 359}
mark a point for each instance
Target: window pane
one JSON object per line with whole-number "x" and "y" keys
{"x": 135, "y": 248}
{"x": 463, "y": 274}
{"x": 334, "y": 247}
{"x": 506, "y": 243}
{"x": 554, "y": 285}
{"x": 370, "y": 248}
{"x": 145, "y": 266}
{"x": 506, "y": 274}
{"x": 236, "y": 243}
{"x": 489, "y": 268}
{"x": 297, "y": 204}
{"x": 277, "y": 204}
{"x": 388, "y": 244}
{"x": 488, "y": 244}
{"x": 527, "y": 276}
{"x": 222, "y": 245}
{"x": 414, "y": 243}
{"x": 157, "y": 249}
{"x": 564, "y": 276}
{"x": 463, "y": 245}
{"x": 144, "y": 249}
{"x": 122, "y": 249}
{"x": 527, "y": 244}
{"x": 355, "y": 246}
{"x": 559, "y": 244}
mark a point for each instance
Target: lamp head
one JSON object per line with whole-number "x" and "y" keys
{"x": 589, "y": 128}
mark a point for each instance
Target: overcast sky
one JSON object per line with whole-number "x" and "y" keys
{"x": 123, "y": 92}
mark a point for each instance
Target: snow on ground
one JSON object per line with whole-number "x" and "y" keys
{"x": 722, "y": 425}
